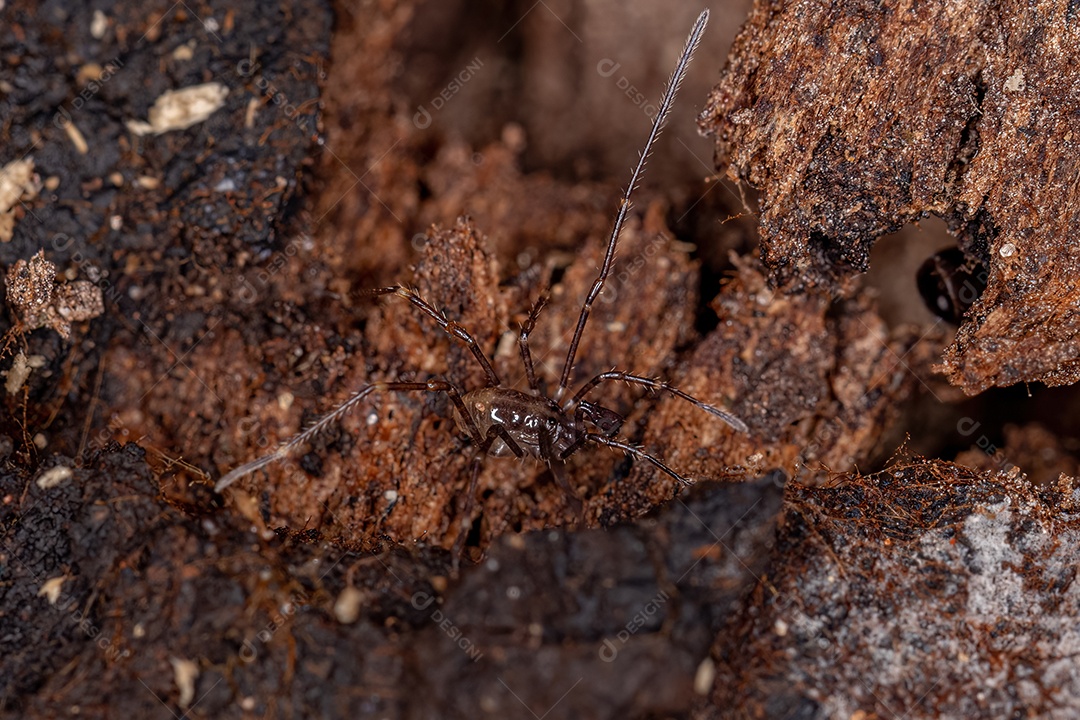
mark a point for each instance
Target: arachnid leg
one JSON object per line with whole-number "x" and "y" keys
{"x": 286, "y": 448}
{"x": 523, "y": 339}
{"x": 453, "y": 329}
{"x": 637, "y": 452}
{"x": 558, "y": 471}
{"x": 730, "y": 419}
{"x": 495, "y": 432}
{"x": 466, "y": 515}
{"x": 667, "y": 100}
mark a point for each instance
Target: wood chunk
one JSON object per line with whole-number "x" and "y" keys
{"x": 854, "y": 119}
{"x": 928, "y": 589}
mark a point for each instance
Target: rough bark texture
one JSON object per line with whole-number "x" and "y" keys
{"x": 855, "y": 118}
{"x": 234, "y": 259}
{"x": 292, "y": 626}
{"x": 926, "y": 590}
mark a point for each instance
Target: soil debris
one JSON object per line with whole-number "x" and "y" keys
{"x": 39, "y": 300}
{"x": 17, "y": 184}
{"x": 180, "y": 109}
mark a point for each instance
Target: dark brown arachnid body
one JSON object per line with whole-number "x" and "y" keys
{"x": 501, "y": 421}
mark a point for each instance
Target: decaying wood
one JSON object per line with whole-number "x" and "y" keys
{"x": 855, "y": 118}
{"x": 926, "y": 590}
{"x": 234, "y": 259}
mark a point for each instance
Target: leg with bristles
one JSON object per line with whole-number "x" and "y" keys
{"x": 286, "y": 448}
{"x": 523, "y": 340}
{"x": 453, "y": 329}
{"x": 638, "y": 453}
{"x": 666, "y": 102}
{"x": 730, "y": 419}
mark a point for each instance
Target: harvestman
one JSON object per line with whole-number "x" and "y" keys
{"x": 501, "y": 421}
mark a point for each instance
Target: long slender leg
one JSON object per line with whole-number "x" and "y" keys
{"x": 636, "y": 452}
{"x": 558, "y": 471}
{"x": 456, "y": 331}
{"x": 498, "y": 432}
{"x": 730, "y": 419}
{"x": 495, "y": 432}
{"x": 466, "y": 516}
{"x": 666, "y": 102}
{"x": 574, "y": 446}
{"x": 322, "y": 423}
{"x": 523, "y": 340}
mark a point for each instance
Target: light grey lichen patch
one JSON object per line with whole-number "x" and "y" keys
{"x": 993, "y": 586}
{"x": 935, "y": 591}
